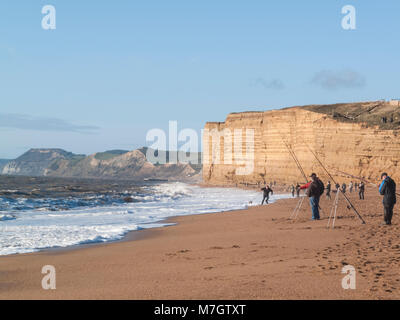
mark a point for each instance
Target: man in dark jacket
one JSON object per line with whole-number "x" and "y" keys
{"x": 328, "y": 190}
{"x": 292, "y": 190}
{"x": 388, "y": 190}
{"x": 267, "y": 190}
{"x": 361, "y": 191}
{"x": 315, "y": 189}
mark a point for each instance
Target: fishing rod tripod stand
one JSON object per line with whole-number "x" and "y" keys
{"x": 296, "y": 210}
{"x": 333, "y": 213}
{"x": 334, "y": 209}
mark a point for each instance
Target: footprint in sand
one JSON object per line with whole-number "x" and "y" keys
{"x": 216, "y": 248}
{"x": 170, "y": 254}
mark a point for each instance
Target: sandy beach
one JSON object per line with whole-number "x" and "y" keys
{"x": 256, "y": 253}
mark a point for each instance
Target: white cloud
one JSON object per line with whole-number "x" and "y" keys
{"x": 26, "y": 122}
{"x": 274, "y": 84}
{"x": 332, "y": 80}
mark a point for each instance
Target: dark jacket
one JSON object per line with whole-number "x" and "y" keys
{"x": 267, "y": 191}
{"x": 316, "y": 188}
{"x": 328, "y": 188}
{"x": 388, "y": 190}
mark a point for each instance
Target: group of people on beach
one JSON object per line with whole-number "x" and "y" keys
{"x": 315, "y": 189}
{"x": 360, "y": 187}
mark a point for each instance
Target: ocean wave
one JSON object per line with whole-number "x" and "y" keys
{"x": 4, "y": 217}
{"x": 36, "y": 230}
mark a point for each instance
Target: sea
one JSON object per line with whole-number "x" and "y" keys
{"x": 34, "y": 224}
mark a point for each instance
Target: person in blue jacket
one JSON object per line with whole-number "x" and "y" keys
{"x": 388, "y": 190}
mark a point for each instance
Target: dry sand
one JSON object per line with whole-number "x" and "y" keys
{"x": 249, "y": 254}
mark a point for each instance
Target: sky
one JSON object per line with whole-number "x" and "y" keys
{"x": 113, "y": 70}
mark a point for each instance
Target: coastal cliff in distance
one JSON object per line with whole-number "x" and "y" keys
{"x": 351, "y": 140}
{"x": 3, "y": 163}
{"x": 114, "y": 164}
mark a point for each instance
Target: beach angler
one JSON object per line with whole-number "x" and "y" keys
{"x": 328, "y": 190}
{"x": 361, "y": 190}
{"x": 298, "y": 190}
{"x": 292, "y": 190}
{"x": 315, "y": 188}
{"x": 388, "y": 190}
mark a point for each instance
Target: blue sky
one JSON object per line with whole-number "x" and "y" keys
{"x": 112, "y": 70}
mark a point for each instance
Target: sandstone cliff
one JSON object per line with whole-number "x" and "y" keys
{"x": 349, "y": 139}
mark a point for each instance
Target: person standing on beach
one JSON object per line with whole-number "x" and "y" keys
{"x": 361, "y": 189}
{"x": 328, "y": 191}
{"x": 315, "y": 188}
{"x": 351, "y": 186}
{"x": 292, "y": 190}
{"x": 267, "y": 190}
{"x": 344, "y": 187}
{"x": 298, "y": 190}
{"x": 388, "y": 190}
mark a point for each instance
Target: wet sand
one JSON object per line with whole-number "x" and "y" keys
{"x": 256, "y": 253}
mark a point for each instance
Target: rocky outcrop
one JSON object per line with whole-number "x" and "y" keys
{"x": 3, "y": 163}
{"x": 348, "y": 147}
{"x": 130, "y": 165}
{"x": 36, "y": 161}
{"x": 116, "y": 164}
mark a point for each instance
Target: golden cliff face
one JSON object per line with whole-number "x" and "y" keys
{"x": 344, "y": 148}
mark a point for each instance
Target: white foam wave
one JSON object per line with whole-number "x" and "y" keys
{"x": 34, "y": 230}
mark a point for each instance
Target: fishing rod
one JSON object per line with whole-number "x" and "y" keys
{"x": 301, "y": 200}
{"x": 353, "y": 176}
{"x": 360, "y": 178}
{"x": 296, "y": 160}
{"x": 327, "y": 172}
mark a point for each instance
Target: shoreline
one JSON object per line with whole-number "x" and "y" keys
{"x": 140, "y": 233}
{"x": 129, "y": 235}
{"x": 255, "y": 253}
